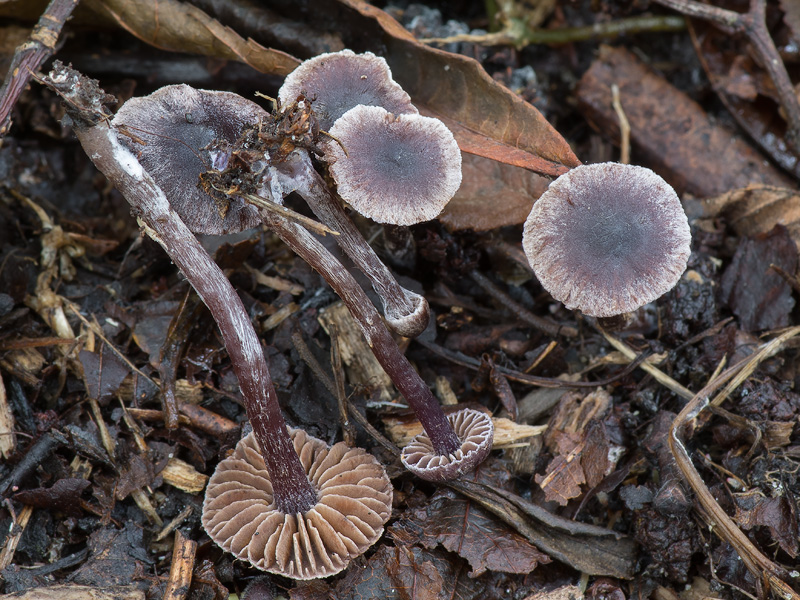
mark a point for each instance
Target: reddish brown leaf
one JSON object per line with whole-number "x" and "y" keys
{"x": 486, "y": 118}
{"x": 462, "y": 527}
{"x": 492, "y": 194}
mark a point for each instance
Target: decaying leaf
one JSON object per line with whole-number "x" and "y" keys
{"x": 756, "y": 293}
{"x": 103, "y": 372}
{"x": 62, "y": 496}
{"x": 462, "y": 527}
{"x": 581, "y": 459}
{"x": 777, "y": 514}
{"x": 726, "y": 61}
{"x": 669, "y": 130}
{"x": 393, "y": 573}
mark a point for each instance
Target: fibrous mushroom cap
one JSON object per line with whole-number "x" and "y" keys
{"x": 337, "y": 81}
{"x": 474, "y": 429}
{"x": 607, "y": 238}
{"x": 174, "y": 123}
{"x": 355, "y": 498}
{"x": 399, "y": 169}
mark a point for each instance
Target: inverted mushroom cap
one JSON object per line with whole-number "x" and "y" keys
{"x": 175, "y": 123}
{"x": 355, "y": 499}
{"x": 337, "y": 81}
{"x": 399, "y": 169}
{"x": 607, "y": 238}
{"x": 474, "y": 429}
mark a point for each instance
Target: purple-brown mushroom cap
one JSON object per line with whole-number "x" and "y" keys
{"x": 475, "y": 431}
{"x": 398, "y": 169}
{"x": 354, "y": 503}
{"x": 338, "y": 81}
{"x": 175, "y": 123}
{"x": 607, "y": 238}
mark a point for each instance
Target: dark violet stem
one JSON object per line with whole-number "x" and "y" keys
{"x": 406, "y": 311}
{"x": 394, "y": 362}
{"x": 292, "y": 490}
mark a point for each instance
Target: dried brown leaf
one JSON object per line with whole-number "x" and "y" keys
{"x": 582, "y": 458}
{"x": 486, "y": 118}
{"x": 757, "y": 209}
{"x": 181, "y": 27}
{"x": 462, "y": 527}
{"x": 563, "y": 479}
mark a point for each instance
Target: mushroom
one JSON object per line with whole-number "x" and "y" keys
{"x": 291, "y": 491}
{"x": 607, "y": 238}
{"x": 337, "y": 81}
{"x": 354, "y": 500}
{"x": 397, "y": 169}
{"x": 168, "y": 131}
{"x": 475, "y": 430}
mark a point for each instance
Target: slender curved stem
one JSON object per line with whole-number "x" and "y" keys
{"x": 292, "y": 490}
{"x": 406, "y": 312}
{"x": 394, "y": 362}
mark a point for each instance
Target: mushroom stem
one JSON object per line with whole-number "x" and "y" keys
{"x": 292, "y": 490}
{"x": 406, "y": 312}
{"x": 402, "y": 373}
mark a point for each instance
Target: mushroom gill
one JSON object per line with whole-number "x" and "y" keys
{"x": 354, "y": 502}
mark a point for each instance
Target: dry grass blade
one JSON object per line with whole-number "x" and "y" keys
{"x": 757, "y": 563}
{"x": 659, "y": 376}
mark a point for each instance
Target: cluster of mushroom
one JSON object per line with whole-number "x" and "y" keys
{"x": 283, "y": 500}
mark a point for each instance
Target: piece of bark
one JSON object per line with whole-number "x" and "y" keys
{"x": 78, "y": 592}
{"x": 8, "y": 441}
{"x": 180, "y": 572}
{"x": 669, "y": 131}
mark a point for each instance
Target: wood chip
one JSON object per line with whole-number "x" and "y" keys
{"x": 362, "y": 366}
{"x": 184, "y": 476}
